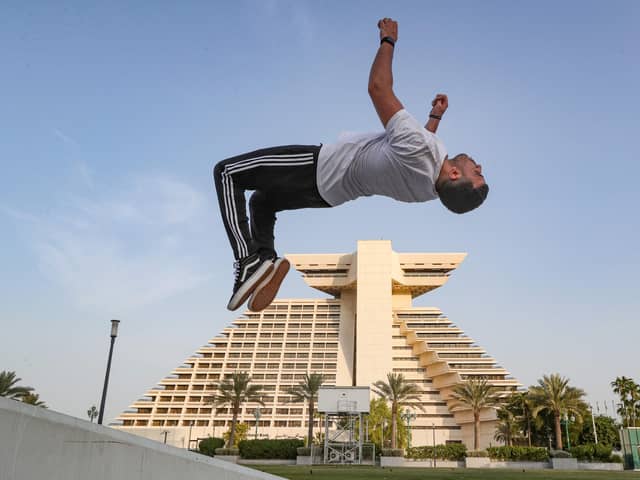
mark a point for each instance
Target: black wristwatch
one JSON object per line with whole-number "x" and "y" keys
{"x": 388, "y": 40}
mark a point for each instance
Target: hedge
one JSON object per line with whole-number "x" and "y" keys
{"x": 208, "y": 445}
{"x": 450, "y": 451}
{"x": 593, "y": 453}
{"x": 519, "y": 454}
{"x": 285, "y": 449}
{"x": 392, "y": 452}
{"x": 477, "y": 453}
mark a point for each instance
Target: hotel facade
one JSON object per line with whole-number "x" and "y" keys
{"x": 364, "y": 330}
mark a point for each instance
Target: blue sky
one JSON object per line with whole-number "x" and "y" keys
{"x": 114, "y": 115}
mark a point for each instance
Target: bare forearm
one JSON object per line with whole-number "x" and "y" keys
{"x": 439, "y": 106}
{"x": 381, "y": 75}
{"x": 432, "y": 124}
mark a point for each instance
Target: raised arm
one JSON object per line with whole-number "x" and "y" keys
{"x": 439, "y": 105}
{"x": 381, "y": 76}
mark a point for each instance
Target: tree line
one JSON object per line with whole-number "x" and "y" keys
{"x": 550, "y": 410}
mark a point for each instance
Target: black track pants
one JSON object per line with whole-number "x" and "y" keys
{"x": 283, "y": 178}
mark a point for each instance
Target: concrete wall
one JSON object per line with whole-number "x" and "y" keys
{"x": 38, "y": 444}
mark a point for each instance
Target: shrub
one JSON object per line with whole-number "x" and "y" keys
{"x": 559, "y": 454}
{"x": 285, "y": 449}
{"x": 615, "y": 458}
{"x": 518, "y": 454}
{"x": 392, "y": 452}
{"x": 208, "y": 445}
{"x": 227, "y": 451}
{"x": 592, "y": 453}
{"x": 450, "y": 451}
{"x": 477, "y": 453}
{"x": 242, "y": 429}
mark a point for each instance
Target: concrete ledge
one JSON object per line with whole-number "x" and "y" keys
{"x": 477, "y": 462}
{"x": 36, "y": 444}
{"x": 613, "y": 467}
{"x": 520, "y": 465}
{"x": 258, "y": 461}
{"x": 428, "y": 463}
{"x": 392, "y": 461}
{"x": 306, "y": 460}
{"x": 564, "y": 463}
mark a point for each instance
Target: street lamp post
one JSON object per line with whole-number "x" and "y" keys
{"x": 566, "y": 428}
{"x": 408, "y": 416}
{"x": 593, "y": 420}
{"x": 114, "y": 334}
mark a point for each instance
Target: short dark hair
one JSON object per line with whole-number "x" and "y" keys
{"x": 459, "y": 196}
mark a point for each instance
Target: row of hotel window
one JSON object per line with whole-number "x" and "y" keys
{"x": 255, "y": 376}
{"x": 272, "y": 316}
{"x": 280, "y": 335}
{"x": 261, "y": 423}
{"x": 289, "y": 325}
{"x": 217, "y": 423}
{"x": 196, "y": 399}
{"x": 297, "y": 306}
{"x": 287, "y": 355}
{"x": 199, "y": 399}
{"x": 211, "y": 387}
{"x": 262, "y": 366}
{"x": 220, "y": 411}
{"x": 275, "y": 345}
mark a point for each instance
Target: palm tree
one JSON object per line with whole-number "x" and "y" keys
{"x": 635, "y": 403}
{"x": 33, "y": 399}
{"x": 234, "y": 391}
{"x": 476, "y": 394}
{"x": 399, "y": 392}
{"x": 92, "y": 413}
{"x": 524, "y": 404}
{"x": 507, "y": 429}
{"x": 9, "y": 387}
{"x": 628, "y": 390}
{"x": 554, "y": 395}
{"x": 307, "y": 390}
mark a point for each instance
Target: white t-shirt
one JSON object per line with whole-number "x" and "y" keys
{"x": 403, "y": 163}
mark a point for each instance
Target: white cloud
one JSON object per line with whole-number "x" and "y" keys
{"x": 125, "y": 251}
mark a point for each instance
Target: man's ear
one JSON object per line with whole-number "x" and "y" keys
{"x": 454, "y": 173}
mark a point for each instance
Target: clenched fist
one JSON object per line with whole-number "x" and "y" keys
{"x": 388, "y": 28}
{"x": 439, "y": 104}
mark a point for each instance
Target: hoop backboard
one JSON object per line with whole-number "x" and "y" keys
{"x": 343, "y": 399}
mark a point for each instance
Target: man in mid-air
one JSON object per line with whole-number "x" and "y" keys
{"x": 406, "y": 162}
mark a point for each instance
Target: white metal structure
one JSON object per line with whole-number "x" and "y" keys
{"x": 343, "y": 399}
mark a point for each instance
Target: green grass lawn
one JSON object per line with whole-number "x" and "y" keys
{"x": 376, "y": 473}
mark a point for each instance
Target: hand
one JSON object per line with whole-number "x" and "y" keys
{"x": 388, "y": 28}
{"x": 440, "y": 104}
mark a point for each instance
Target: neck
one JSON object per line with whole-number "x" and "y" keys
{"x": 444, "y": 173}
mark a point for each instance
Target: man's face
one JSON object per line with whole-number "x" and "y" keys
{"x": 471, "y": 170}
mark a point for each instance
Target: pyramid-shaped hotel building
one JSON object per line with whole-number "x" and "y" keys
{"x": 366, "y": 329}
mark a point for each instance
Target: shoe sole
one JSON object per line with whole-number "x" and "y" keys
{"x": 264, "y": 294}
{"x": 249, "y": 286}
